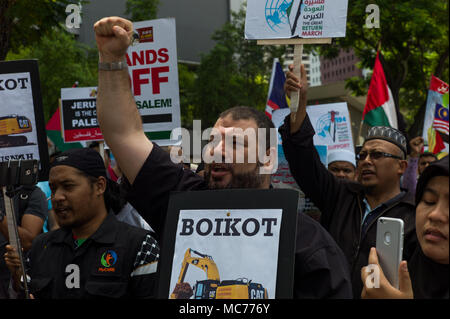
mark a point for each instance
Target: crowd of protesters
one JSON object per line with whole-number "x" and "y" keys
{"x": 102, "y": 208}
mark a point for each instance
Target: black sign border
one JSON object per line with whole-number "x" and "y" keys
{"x": 31, "y": 66}
{"x": 284, "y": 199}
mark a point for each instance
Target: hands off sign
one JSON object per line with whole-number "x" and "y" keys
{"x": 284, "y": 19}
{"x": 152, "y": 63}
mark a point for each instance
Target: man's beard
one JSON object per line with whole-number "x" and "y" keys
{"x": 250, "y": 179}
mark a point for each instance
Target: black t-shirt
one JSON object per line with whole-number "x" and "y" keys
{"x": 36, "y": 205}
{"x": 117, "y": 261}
{"x": 150, "y": 192}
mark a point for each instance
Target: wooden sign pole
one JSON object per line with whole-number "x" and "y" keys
{"x": 13, "y": 233}
{"x": 298, "y": 54}
{"x": 298, "y": 57}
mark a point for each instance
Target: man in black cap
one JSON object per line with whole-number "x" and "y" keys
{"x": 350, "y": 210}
{"x": 92, "y": 255}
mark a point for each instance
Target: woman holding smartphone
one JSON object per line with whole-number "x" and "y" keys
{"x": 426, "y": 276}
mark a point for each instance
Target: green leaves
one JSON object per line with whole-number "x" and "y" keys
{"x": 24, "y": 22}
{"x": 141, "y": 10}
{"x": 235, "y": 72}
{"x": 62, "y": 61}
{"x": 413, "y": 35}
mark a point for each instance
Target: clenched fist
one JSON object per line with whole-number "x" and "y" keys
{"x": 113, "y": 36}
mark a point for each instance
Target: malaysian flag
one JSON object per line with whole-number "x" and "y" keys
{"x": 441, "y": 122}
{"x": 277, "y": 97}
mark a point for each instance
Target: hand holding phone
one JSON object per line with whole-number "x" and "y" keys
{"x": 390, "y": 247}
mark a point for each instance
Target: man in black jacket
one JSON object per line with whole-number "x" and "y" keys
{"x": 321, "y": 270}
{"x": 92, "y": 254}
{"x": 350, "y": 210}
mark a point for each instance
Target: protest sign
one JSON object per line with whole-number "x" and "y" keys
{"x": 229, "y": 244}
{"x": 332, "y": 125}
{"x": 153, "y": 69}
{"x": 436, "y": 122}
{"x": 79, "y": 115}
{"x": 22, "y": 126}
{"x": 276, "y": 19}
{"x": 298, "y": 22}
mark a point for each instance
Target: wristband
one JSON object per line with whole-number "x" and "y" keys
{"x": 113, "y": 66}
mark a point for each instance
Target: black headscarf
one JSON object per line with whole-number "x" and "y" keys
{"x": 429, "y": 278}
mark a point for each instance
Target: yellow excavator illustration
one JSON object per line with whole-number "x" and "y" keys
{"x": 11, "y": 125}
{"x": 212, "y": 287}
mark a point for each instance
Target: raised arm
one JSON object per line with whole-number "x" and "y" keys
{"x": 117, "y": 113}
{"x": 308, "y": 171}
{"x": 293, "y": 83}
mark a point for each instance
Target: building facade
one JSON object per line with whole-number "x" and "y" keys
{"x": 340, "y": 68}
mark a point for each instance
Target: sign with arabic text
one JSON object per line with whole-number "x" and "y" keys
{"x": 79, "y": 115}
{"x": 285, "y": 19}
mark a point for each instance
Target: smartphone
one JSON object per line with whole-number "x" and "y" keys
{"x": 390, "y": 247}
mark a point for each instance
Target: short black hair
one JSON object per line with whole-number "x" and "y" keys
{"x": 248, "y": 113}
{"x": 428, "y": 154}
{"x": 94, "y": 144}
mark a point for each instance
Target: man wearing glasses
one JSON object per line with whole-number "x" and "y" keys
{"x": 350, "y": 209}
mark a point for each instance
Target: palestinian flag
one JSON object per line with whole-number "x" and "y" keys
{"x": 53, "y": 129}
{"x": 380, "y": 109}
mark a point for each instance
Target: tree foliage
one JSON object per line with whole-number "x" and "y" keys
{"x": 24, "y": 22}
{"x": 62, "y": 61}
{"x": 413, "y": 37}
{"x": 141, "y": 10}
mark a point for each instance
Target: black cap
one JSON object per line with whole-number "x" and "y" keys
{"x": 86, "y": 160}
{"x": 437, "y": 168}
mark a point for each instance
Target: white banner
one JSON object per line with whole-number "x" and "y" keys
{"x": 237, "y": 245}
{"x": 153, "y": 68}
{"x": 284, "y": 19}
{"x": 332, "y": 125}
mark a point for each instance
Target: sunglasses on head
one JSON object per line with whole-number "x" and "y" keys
{"x": 375, "y": 155}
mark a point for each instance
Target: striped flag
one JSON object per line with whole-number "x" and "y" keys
{"x": 435, "y": 142}
{"x": 441, "y": 123}
{"x": 277, "y": 98}
{"x": 380, "y": 109}
{"x": 293, "y": 13}
{"x": 436, "y": 121}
